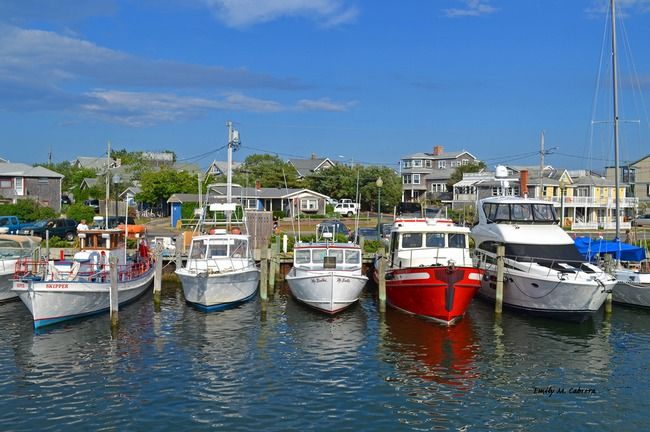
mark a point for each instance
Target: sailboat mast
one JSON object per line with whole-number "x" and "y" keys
{"x": 615, "y": 101}
{"x": 229, "y": 172}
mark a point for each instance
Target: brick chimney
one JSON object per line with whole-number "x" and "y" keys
{"x": 523, "y": 183}
{"x": 437, "y": 150}
{"x": 313, "y": 156}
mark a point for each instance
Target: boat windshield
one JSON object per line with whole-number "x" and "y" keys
{"x": 520, "y": 212}
{"x": 433, "y": 240}
{"x": 305, "y": 256}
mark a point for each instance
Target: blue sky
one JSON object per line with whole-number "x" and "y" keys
{"x": 353, "y": 80}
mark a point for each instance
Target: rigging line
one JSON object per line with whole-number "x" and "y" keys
{"x": 202, "y": 155}
{"x": 594, "y": 102}
{"x": 636, "y": 81}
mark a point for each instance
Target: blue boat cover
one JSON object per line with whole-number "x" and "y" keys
{"x": 589, "y": 248}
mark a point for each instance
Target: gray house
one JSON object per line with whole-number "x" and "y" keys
{"x": 22, "y": 181}
{"x": 306, "y": 167}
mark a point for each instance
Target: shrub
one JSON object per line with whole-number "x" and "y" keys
{"x": 79, "y": 211}
{"x": 27, "y": 210}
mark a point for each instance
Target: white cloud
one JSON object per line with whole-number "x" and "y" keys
{"x": 599, "y": 7}
{"x": 324, "y": 105}
{"x": 472, "y": 8}
{"x": 243, "y": 13}
{"x": 138, "y": 109}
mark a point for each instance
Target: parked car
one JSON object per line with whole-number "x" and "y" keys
{"x": 62, "y": 228}
{"x": 94, "y": 203}
{"x": 367, "y": 234}
{"x": 641, "y": 221}
{"x": 335, "y": 227}
{"x": 9, "y": 224}
{"x": 346, "y": 209}
{"x": 65, "y": 200}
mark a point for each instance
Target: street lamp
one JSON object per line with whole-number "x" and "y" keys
{"x": 379, "y": 184}
{"x": 562, "y": 187}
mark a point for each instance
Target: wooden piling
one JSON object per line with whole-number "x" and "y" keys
{"x": 179, "y": 251}
{"x": 264, "y": 268}
{"x": 608, "y": 304}
{"x": 114, "y": 303}
{"x": 273, "y": 268}
{"x": 498, "y": 303}
{"x": 381, "y": 276}
{"x": 157, "y": 278}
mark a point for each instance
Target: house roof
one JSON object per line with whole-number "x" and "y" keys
{"x": 24, "y": 170}
{"x": 96, "y": 163}
{"x": 305, "y": 167}
{"x": 444, "y": 155}
{"x": 244, "y": 192}
{"x": 221, "y": 167}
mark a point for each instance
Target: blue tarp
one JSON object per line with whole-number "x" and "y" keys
{"x": 589, "y": 248}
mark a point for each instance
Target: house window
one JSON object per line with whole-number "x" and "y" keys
{"x": 407, "y": 164}
{"x": 427, "y": 163}
{"x": 442, "y": 164}
{"x": 407, "y": 179}
{"x": 5, "y": 183}
{"x": 308, "y": 204}
{"x": 416, "y": 178}
{"x": 417, "y": 163}
{"x": 438, "y": 187}
{"x": 43, "y": 180}
{"x": 18, "y": 182}
{"x": 465, "y": 161}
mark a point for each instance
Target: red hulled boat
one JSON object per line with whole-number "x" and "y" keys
{"x": 430, "y": 271}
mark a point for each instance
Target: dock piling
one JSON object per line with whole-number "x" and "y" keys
{"x": 381, "y": 276}
{"x": 264, "y": 267}
{"x": 178, "y": 252}
{"x": 498, "y": 303}
{"x": 157, "y": 277}
{"x": 114, "y": 303}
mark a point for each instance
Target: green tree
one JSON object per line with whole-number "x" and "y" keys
{"x": 27, "y": 210}
{"x": 158, "y": 186}
{"x": 457, "y": 175}
{"x": 269, "y": 170}
{"x": 339, "y": 181}
{"x": 79, "y": 211}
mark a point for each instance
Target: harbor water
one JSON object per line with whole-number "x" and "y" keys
{"x": 280, "y": 366}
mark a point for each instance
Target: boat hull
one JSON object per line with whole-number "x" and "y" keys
{"x": 438, "y": 293}
{"x": 6, "y": 283}
{"x": 632, "y": 288}
{"x": 327, "y": 291}
{"x": 570, "y": 299}
{"x": 52, "y": 302}
{"x": 217, "y": 291}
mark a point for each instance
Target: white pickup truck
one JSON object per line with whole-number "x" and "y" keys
{"x": 346, "y": 207}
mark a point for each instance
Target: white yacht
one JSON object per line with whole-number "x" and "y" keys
{"x": 543, "y": 271}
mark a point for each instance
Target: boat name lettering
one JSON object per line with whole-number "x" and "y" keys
{"x": 318, "y": 280}
{"x": 20, "y": 285}
{"x": 56, "y": 285}
{"x": 342, "y": 280}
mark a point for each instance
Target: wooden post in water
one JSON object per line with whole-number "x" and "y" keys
{"x": 273, "y": 268}
{"x": 179, "y": 250}
{"x": 381, "y": 276}
{"x": 264, "y": 269}
{"x": 157, "y": 277}
{"x": 114, "y": 303}
{"x": 498, "y": 303}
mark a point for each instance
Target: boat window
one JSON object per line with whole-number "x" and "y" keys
{"x": 337, "y": 253}
{"x": 352, "y": 257}
{"x": 218, "y": 250}
{"x": 457, "y": 240}
{"x": 302, "y": 256}
{"x": 435, "y": 240}
{"x": 238, "y": 249}
{"x": 411, "y": 240}
{"x": 198, "y": 250}
{"x": 502, "y": 213}
{"x": 544, "y": 212}
{"x": 544, "y": 253}
{"x": 489, "y": 246}
{"x": 521, "y": 212}
{"x": 318, "y": 254}
{"x": 490, "y": 210}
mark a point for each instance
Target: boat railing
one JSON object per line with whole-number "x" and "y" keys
{"x": 441, "y": 256}
{"x": 564, "y": 267}
{"x": 42, "y": 269}
{"x": 220, "y": 263}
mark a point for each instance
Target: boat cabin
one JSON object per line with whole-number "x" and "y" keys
{"x": 327, "y": 257}
{"x": 520, "y": 212}
{"x": 101, "y": 239}
{"x": 212, "y": 247}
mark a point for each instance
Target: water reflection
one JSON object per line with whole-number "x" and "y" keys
{"x": 429, "y": 351}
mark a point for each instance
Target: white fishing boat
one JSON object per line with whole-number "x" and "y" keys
{"x": 327, "y": 275}
{"x": 60, "y": 290}
{"x": 220, "y": 271}
{"x": 12, "y": 249}
{"x": 544, "y": 273}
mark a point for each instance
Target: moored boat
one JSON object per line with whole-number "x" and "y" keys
{"x": 59, "y": 290}
{"x": 12, "y": 249}
{"x": 430, "y": 272}
{"x": 544, "y": 272}
{"x": 327, "y": 275}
